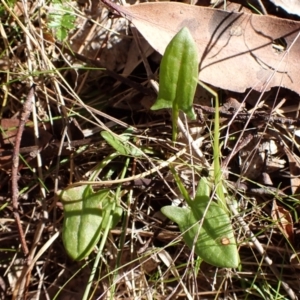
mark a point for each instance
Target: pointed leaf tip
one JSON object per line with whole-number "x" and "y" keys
{"x": 179, "y": 74}
{"x": 216, "y": 243}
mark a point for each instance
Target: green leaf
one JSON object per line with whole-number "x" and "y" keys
{"x": 178, "y": 75}
{"x": 203, "y": 189}
{"x": 120, "y": 144}
{"x": 61, "y": 19}
{"x": 215, "y": 244}
{"x": 85, "y": 217}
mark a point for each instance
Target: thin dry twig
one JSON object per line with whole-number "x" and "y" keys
{"x": 263, "y": 253}
{"x": 24, "y": 115}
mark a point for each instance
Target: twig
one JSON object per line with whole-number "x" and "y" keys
{"x": 243, "y": 116}
{"x": 117, "y": 8}
{"x": 263, "y": 253}
{"x": 135, "y": 177}
{"x": 243, "y": 143}
{"x": 116, "y": 76}
{"x": 262, "y": 7}
{"x": 24, "y": 115}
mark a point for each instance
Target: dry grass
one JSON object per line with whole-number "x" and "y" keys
{"x": 144, "y": 257}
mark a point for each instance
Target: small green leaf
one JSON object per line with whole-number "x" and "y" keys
{"x": 215, "y": 244}
{"x": 85, "y": 217}
{"x": 61, "y": 19}
{"x": 120, "y": 144}
{"x": 178, "y": 75}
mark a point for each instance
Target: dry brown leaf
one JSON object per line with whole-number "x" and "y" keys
{"x": 9, "y": 129}
{"x": 133, "y": 58}
{"x": 295, "y": 260}
{"x": 291, "y": 6}
{"x": 283, "y": 220}
{"x": 236, "y": 49}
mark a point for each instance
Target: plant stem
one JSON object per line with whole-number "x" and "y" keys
{"x": 175, "y": 116}
{"x": 216, "y": 149}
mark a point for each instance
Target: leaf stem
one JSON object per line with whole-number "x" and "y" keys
{"x": 216, "y": 149}
{"x": 175, "y": 115}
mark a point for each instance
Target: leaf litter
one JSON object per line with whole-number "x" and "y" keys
{"x": 146, "y": 230}
{"x": 237, "y": 49}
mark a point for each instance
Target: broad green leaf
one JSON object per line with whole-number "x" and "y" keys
{"x": 120, "y": 144}
{"x": 178, "y": 74}
{"x": 215, "y": 244}
{"x": 85, "y": 217}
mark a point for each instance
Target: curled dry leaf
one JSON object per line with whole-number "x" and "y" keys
{"x": 295, "y": 260}
{"x": 283, "y": 219}
{"x": 237, "y": 50}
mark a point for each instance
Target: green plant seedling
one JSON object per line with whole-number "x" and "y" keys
{"x": 178, "y": 77}
{"x": 120, "y": 144}
{"x": 61, "y": 19}
{"x": 214, "y": 241}
{"x": 86, "y": 217}
{"x": 205, "y": 224}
